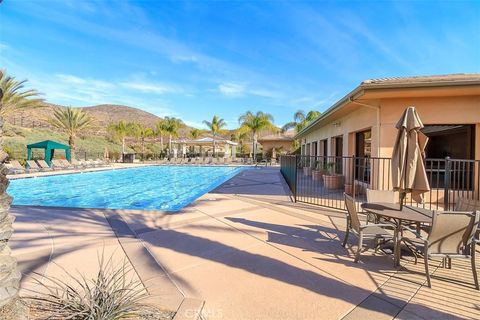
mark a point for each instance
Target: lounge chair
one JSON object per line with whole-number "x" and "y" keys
{"x": 32, "y": 166}
{"x": 91, "y": 163}
{"x": 14, "y": 167}
{"x": 77, "y": 164}
{"x": 451, "y": 236}
{"x": 66, "y": 164}
{"x": 58, "y": 165}
{"x": 44, "y": 165}
{"x": 364, "y": 231}
{"x": 100, "y": 163}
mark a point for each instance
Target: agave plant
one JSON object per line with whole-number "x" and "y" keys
{"x": 112, "y": 294}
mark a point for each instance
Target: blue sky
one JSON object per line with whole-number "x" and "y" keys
{"x": 195, "y": 59}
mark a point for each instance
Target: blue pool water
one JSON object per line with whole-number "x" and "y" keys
{"x": 167, "y": 188}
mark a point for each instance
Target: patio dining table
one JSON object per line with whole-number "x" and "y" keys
{"x": 399, "y": 216}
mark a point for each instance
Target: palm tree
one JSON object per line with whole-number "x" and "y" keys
{"x": 171, "y": 127}
{"x": 215, "y": 127}
{"x": 12, "y": 97}
{"x": 72, "y": 121}
{"x": 240, "y": 135}
{"x": 161, "y": 127}
{"x": 255, "y": 123}
{"x": 301, "y": 120}
{"x": 141, "y": 132}
{"x": 120, "y": 130}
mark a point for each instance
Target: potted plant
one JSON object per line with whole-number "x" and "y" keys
{"x": 349, "y": 189}
{"x": 318, "y": 171}
{"x": 332, "y": 180}
{"x": 307, "y": 169}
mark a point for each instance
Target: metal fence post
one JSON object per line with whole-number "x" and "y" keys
{"x": 295, "y": 179}
{"x": 446, "y": 184}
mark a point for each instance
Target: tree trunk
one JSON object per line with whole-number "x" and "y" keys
{"x": 254, "y": 147}
{"x": 9, "y": 276}
{"x": 143, "y": 149}
{"x": 71, "y": 144}
{"x": 170, "y": 143}
{"x": 123, "y": 146}
{"x": 214, "y": 145}
{"x": 161, "y": 143}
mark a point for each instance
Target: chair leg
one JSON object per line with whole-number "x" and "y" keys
{"x": 346, "y": 236}
{"x": 360, "y": 245}
{"x": 474, "y": 269}
{"x": 427, "y": 273}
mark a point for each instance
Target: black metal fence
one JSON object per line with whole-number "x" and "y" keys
{"x": 322, "y": 180}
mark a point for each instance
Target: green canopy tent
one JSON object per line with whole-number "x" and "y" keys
{"x": 50, "y": 147}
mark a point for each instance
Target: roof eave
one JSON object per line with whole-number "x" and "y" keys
{"x": 359, "y": 91}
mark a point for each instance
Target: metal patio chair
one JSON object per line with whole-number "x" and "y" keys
{"x": 469, "y": 204}
{"x": 364, "y": 231}
{"x": 451, "y": 236}
{"x": 385, "y": 196}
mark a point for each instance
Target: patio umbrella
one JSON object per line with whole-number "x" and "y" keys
{"x": 408, "y": 168}
{"x": 105, "y": 153}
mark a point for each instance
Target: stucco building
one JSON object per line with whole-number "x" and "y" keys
{"x": 283, "y": 143}
{"x": 362, "y": 123}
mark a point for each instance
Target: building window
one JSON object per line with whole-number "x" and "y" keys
{"x": 324, "y": 147}
{"x": 363, "y": 150}
{"x": 363, "y": 144}
{"x": 314, "y": 148}
{"x": 456, "y": 142}
{"x": 338, "y": 154}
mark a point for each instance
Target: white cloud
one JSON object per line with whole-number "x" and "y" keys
{"x": 68, "y": 78}
{"x": 149, "y": 87}
{"x": 231, "y": 89}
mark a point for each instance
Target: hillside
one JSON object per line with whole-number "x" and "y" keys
{"x": 103, "y": 115}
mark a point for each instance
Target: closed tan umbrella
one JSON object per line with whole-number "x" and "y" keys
{"x": 408, "y": 168}
{"x": 105, "y": 153}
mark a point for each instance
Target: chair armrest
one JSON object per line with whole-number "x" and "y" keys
{"x": 382, "y": 225}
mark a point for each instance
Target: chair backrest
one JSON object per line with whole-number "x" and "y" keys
{"x": 467, "y": 204}
{"x": 452, "y": 231}
{"x": 32, "y": 164}
{"x": 57, "y": 163}
{"x": 352, "y": 212}
{"x": 43, "y": 164}
{"x": 16, "y": 165}
{"x": 386, "y": 196}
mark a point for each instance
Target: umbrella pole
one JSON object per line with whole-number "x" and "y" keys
{"x": 402, "y": 199}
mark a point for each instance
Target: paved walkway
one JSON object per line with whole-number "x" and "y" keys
{"x": 251, "y": 253}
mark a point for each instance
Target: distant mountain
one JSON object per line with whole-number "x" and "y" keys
{"x": 104, "y": 115}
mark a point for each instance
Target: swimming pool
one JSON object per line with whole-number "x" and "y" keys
{"x": 168, "y": 188}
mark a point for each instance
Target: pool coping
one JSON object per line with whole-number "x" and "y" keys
{"x": 50, "y": 173}
{"x": 152, "y": 274}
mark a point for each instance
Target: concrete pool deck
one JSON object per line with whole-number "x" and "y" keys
{"x": 249, "y": 253}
